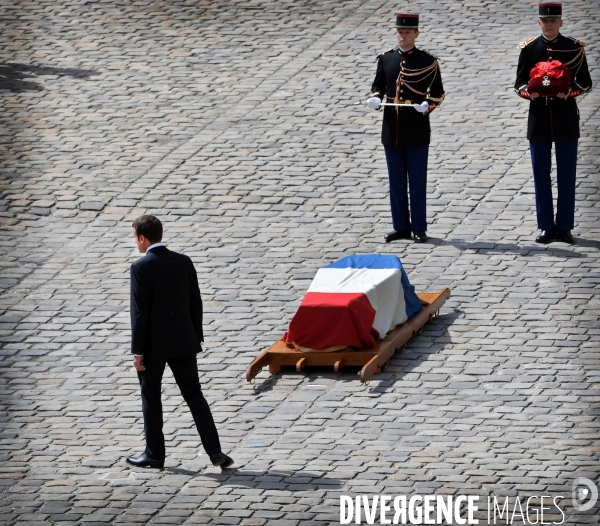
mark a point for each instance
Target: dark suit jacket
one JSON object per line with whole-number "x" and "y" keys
{"x": 166, "y": 308}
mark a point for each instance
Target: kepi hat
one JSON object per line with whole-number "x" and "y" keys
{"x": 407, "y": 21}
{"x": 550, "y": 10}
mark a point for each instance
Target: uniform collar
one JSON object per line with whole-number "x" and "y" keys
{"x": 547, "y": 41}
{"x": 407, "y": 52}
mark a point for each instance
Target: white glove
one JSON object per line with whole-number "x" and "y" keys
{"x": 422, "y": 108}
{"x": 374, "y": 103}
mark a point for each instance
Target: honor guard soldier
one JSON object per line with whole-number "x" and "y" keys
{"x": 410, "y": 79}
{"x": 552, "y": 72}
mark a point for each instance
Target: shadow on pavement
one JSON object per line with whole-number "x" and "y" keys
{"x": 413, "y": 357}
{"x": 21, "y": 77}
{"x": 300, "y": 480}
{"x": 533, "y": 249}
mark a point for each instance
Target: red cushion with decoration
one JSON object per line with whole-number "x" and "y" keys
{"x": 548, "y": 79}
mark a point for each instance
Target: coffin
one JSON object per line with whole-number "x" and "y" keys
{"x": 352, "y": 303}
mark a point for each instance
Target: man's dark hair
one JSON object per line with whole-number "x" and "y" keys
{"x": 150, "y": 227}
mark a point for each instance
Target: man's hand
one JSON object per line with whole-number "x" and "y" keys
{"x": 138, "y": 363}
{"x": 533, "y": 95}
{"x": 563, "y": 95}
{"x": 374, "y": 103}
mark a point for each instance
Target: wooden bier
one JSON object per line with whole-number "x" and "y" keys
{"x": 372, "y": 360}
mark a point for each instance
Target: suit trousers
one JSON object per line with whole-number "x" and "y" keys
{"x": 185, "y": 372}
{"x": 566, "y": 169}
{"x": 408, "y": 164}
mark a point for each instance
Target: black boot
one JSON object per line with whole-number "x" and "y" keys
{"x": 144, "y": 461}
{"x": 421, "y": 237}
{"x": 397, "y": 234}
{"x": 221, "y": 459}
{"x": 565, "y": 236}
{"x": 546, "y": 236}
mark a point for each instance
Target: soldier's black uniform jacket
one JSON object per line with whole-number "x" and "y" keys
{"x": 553, "y": 118}
{"x": 409, "y": 77}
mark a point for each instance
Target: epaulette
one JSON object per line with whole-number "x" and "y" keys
{"x": 429, "y": 53}
{"x": 526, "y": 43}
{"x": 577, "y": 41}
{"x": 385, "y": 53}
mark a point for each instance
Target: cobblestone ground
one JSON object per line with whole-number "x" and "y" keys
{"x": 233, "y": 122}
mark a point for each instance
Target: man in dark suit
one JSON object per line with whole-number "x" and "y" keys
{"x": 166, "y": 328}
{"x": 553, "y": 119}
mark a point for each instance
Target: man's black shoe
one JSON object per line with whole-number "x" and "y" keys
{"x": 546, "y": 236}
{"x": 565, "y": 236}
{"x": 144, "y": 461}
{"x": 222, "y": 460}
{"x": 397, "y": 234}
{"x": 421, "y": 237}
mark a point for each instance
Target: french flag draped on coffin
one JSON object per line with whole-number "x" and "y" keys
{"x": 351, "y": 302}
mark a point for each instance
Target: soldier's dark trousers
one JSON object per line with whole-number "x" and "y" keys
{"x": 407, "y": 170}
{"x": 566, "y": 168}
{"x": 185, "y": 372}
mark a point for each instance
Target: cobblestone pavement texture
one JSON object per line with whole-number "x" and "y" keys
{"x": 233, "y": 122}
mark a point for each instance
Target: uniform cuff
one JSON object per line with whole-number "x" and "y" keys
{"x": 437, "y": 100}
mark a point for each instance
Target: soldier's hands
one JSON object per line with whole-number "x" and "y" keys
{"x": 422, "y": 108}
{"x": 138, "y": 363}
{"x": 559, "y": 95}
{"x": 374, "y": 103}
